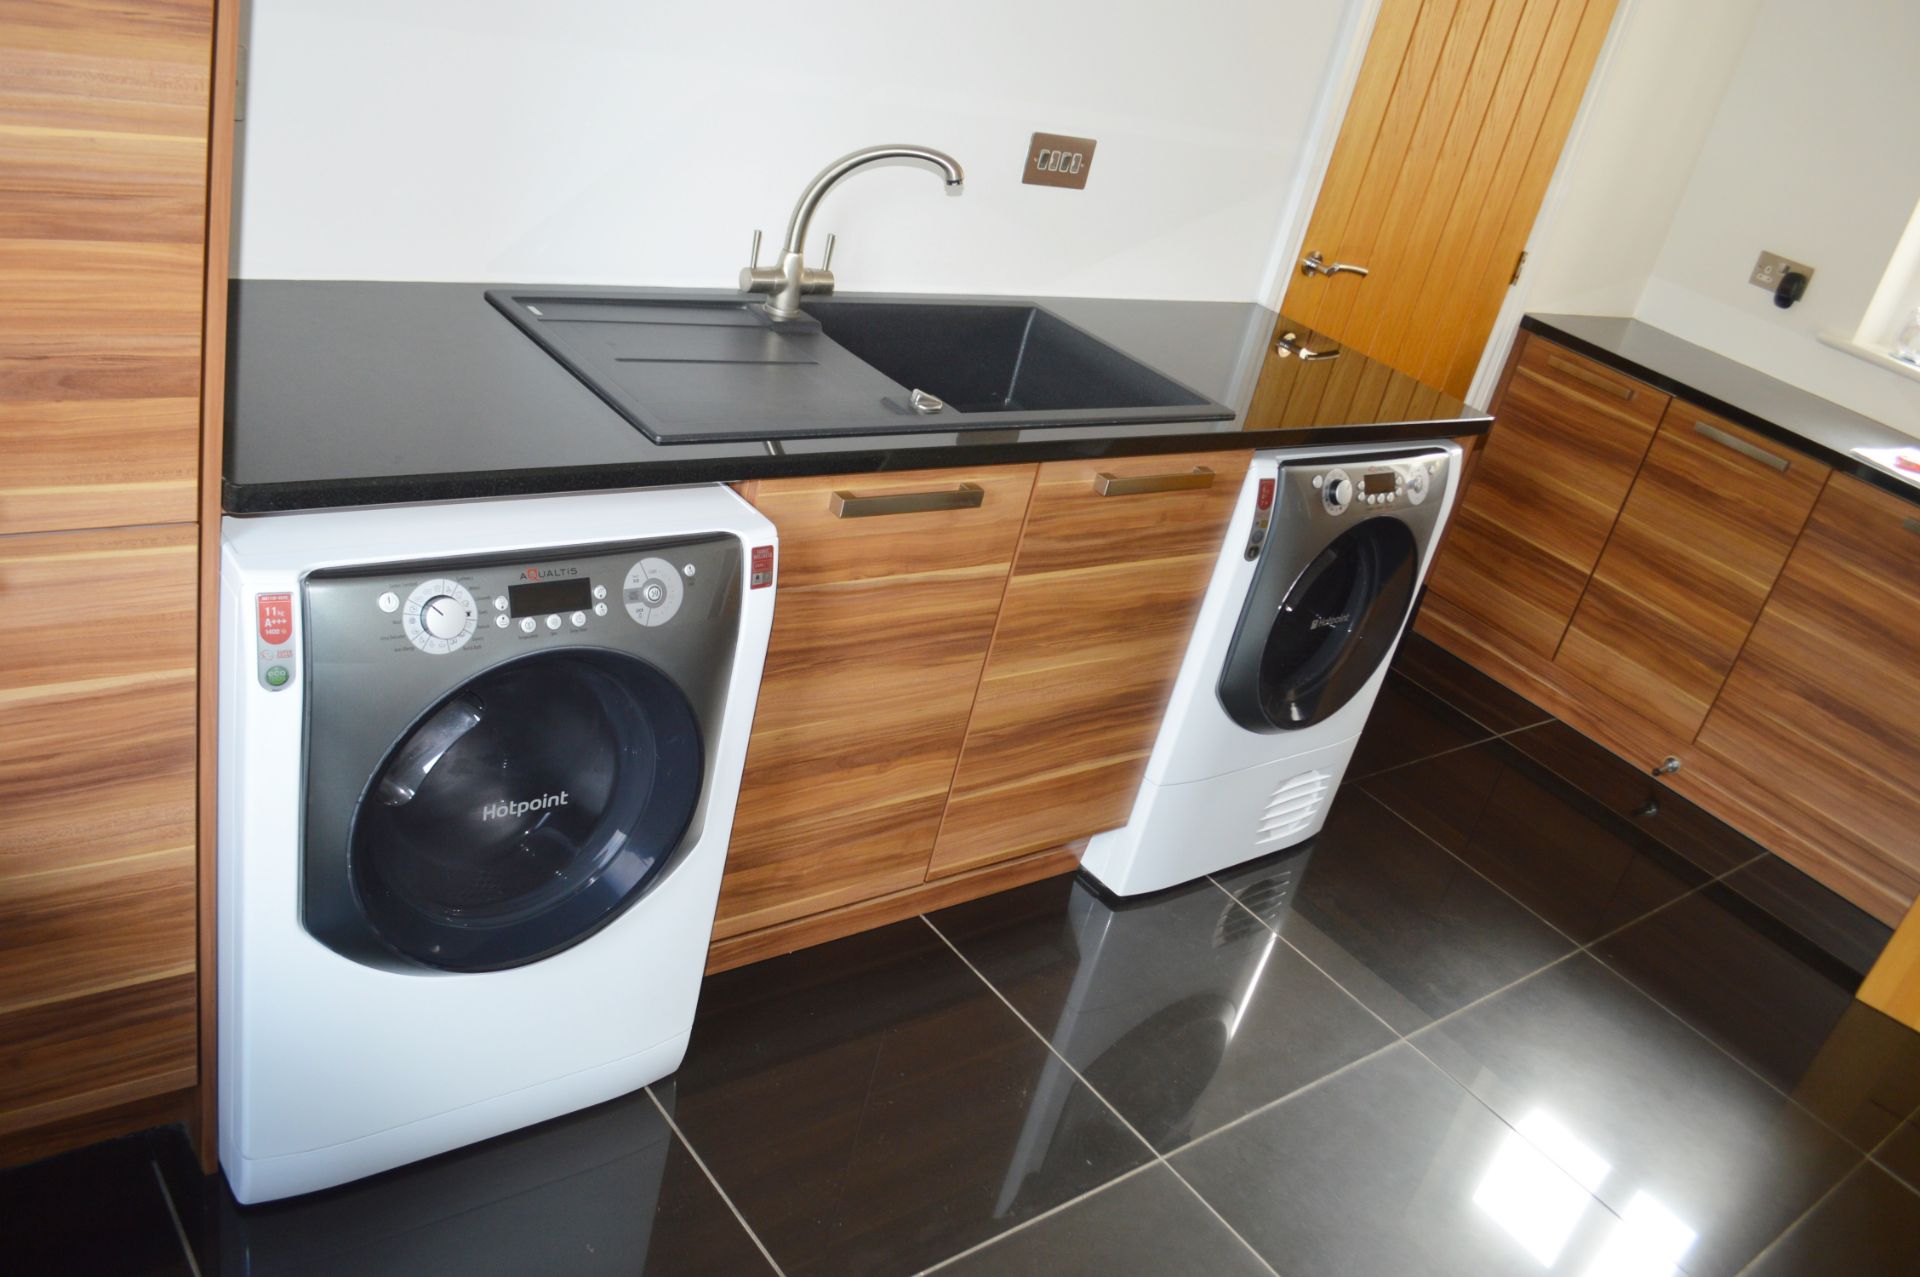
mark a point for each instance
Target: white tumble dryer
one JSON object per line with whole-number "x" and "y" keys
{"x": 1322, "y": 565}
{"x": 478, "y": 766}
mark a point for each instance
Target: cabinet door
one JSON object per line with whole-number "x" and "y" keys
{"x": 1567, "y": 439}
{"x": 1820, "y": 717}
{"x": 1704, "y": 533}
{"x": 97, "y": 688}
{"x": 880, "y": 628}
{"x": 1112, "y": 565}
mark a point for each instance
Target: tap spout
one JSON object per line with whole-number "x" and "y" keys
{"x": 942, "y": 163}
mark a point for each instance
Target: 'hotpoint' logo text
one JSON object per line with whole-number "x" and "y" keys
{"x": 511, "y": 807}
{"x": 1328, "y": 622}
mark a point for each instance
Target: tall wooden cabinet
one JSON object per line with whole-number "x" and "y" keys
{"x": 105, "y": 149}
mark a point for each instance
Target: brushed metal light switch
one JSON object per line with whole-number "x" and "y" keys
{"x": 1054, "y": 159}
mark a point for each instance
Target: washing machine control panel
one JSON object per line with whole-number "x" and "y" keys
{"x": 1377, "y": 485}
{"x": 444, "y": 608}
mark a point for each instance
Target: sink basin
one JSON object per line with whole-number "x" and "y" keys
{"x": 686, "y": 369}
{"x": 990, "y": 358}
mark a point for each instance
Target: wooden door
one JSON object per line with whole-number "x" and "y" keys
{"x": 1818, "y": 726}
{"x": 1111, "y": 568}
{"x": 1453, "y": 131}
{"x": 879, "y": 634}
{"x": 1554, "y": 473}
{"x": 1705, "y": 531}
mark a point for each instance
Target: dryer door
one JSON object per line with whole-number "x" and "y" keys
{"x": 526, "y": 809}
{"x": 1297, "y": 659}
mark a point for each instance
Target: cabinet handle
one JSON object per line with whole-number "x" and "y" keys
{"x": 850, "y": 505}
{"x": 1568, "y": 368}
{"x": 1911, "y": 525}
{"x": 1114, "y": 485}
{"x": 1706, "y": 430}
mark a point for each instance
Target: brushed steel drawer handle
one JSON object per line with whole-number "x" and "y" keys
{"x": 1706, "y": 430}
{"x": 1115, "y": 485}
{"x": 1594, "y": 379}
{"x": 851, "y": 505}
{"x": 1911, "y": 525}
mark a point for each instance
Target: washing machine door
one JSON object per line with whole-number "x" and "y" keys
{"x": 1306, "y": 646}
{"x": 526, "y": 809}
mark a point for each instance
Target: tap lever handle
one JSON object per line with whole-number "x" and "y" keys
{"x": 753, "y": 258}
{"x": 826, "y": 262}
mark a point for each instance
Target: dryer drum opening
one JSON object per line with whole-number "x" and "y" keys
{"x": 1326, "y": 633}
{"x": 541, "y": 798}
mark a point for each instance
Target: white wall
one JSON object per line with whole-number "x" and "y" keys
{"x": 1724, "y": 127}
{"x": 641, "y": 141}
{"x": 1812, "y": 155}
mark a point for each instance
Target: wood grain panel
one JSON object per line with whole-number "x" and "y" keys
{"x": 1567, "y": 441}
{"x": 1821, "y": 713}
{"x": 60, "y": 1060}
{"x": 113, "y": 66}
{"x": 880, "y": 630}
{"x": 1893, "y": 986}
{"x": 92, "y": 463}
{"x": 770, "y": 942}
{"x": 1090, "y": 636}
{"x": 1457, "y": 119}
{"x": 66, "y": 933}
{"x": 75, "y": 184}
{"x": 1696, "y": 550}
{"x": 20, "y": 1147}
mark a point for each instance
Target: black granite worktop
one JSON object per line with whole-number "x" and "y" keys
{"x": 344, "y": 393}
{"x": 1838, "y": 436}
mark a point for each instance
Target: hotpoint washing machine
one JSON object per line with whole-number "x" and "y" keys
{"x": 1322, "y": 565}
{"x": 478, "y": 766}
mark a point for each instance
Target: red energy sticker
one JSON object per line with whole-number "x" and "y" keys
{"x": 760, "y": 570}
{"x": 1264, "y": 501}
{"x": 275, "y": 613}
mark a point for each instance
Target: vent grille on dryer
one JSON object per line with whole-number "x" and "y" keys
{"x": 1292, "y": 808}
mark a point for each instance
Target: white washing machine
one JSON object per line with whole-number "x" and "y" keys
{"x": 478, "y": 766}
{"x": 1322, "y": 566}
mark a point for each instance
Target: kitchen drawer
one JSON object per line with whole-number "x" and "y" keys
{"x": 1568, "y": 438}
{"x": 881, "y": 626}
{"x": 1704, "y": 533}
{"x": 1110, "y": 571}
{"x": 1818, "y": 725}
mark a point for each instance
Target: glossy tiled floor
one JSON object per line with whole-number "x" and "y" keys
{"x": 1504, "y": 1016}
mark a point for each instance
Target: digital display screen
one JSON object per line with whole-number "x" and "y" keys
{"x": 1378, "y": 483}
{"x": 549, "y": 596}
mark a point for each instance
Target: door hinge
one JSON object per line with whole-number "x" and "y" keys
{"x": 1517, "y": 268}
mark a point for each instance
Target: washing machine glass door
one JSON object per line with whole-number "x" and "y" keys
{"x": 1333, "y": 627}
{"x": 526, "y": 809}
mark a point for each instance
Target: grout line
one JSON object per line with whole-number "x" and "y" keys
{"x": 173, "y": 1213}
{"x": 1798, "y": 1220}
{"x": 1158, "y": 1158}
{"x": 706, "y": 1170}
{"x": 1025, "y": 1224}
{"x": 1295, "y": 1093}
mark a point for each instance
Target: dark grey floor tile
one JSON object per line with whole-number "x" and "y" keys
{"x": 1870, "y": 1227}
{"x": 1488, "y": 702}
{"x": 1393, "y": 1168}
{"x": 607, "y": 1190}
{"x": 1403, "y": 926}
{"x": 1778, "y": 1004}
{"x": 1901, "y": 1153}
{"x": 1628, "y": 790}
{"x": 1147, "y": 1223}
{"x": 1687, "y": 1135}
{"x": 96, "y": 1210}
{"x": 1836, "y": 926}
{"x": 1181, "y": 1008}
{"x": 1407, "y": 723}
{"x": 1556, "y": 850}
{"x": 872, "y": 1107}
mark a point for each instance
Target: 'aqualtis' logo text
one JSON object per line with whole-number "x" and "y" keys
{"x": 510, "y": 807}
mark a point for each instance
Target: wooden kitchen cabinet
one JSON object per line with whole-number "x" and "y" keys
{"x": 1111, "y": 568}
{"x": 1703, "y": 535}
{"x": 1569, "y": 438}
{"x": 1818, "y": 726}
{"x": 880, "y": 631}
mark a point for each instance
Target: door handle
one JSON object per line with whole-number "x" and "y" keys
{"x": 1315, "y": 264}
{"x": 848, "y": 505}
{"x": 1726, "y": 439}
{"x": 1289, "y": 344}
{"x": 1114, "y": 485}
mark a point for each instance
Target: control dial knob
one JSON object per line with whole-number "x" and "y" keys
{"x": 1337, "y": 492}
{"x": 439, "y": 616}
{"x": 1417, "y": 483}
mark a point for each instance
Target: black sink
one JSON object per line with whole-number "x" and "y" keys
{"x": 988, "y": 358}
{"x": 685, "y": 369}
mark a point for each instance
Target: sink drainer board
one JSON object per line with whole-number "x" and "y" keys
{"x": 691, "y": 370}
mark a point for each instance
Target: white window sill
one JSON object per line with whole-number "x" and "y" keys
{"x": 1878, "y": 356}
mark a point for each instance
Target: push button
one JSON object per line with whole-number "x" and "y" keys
{"x": 526, "y": 625}
{"x": 553, "y": 622}
{"x": 579, "y": 619}
{"x": 277, "y": 676}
